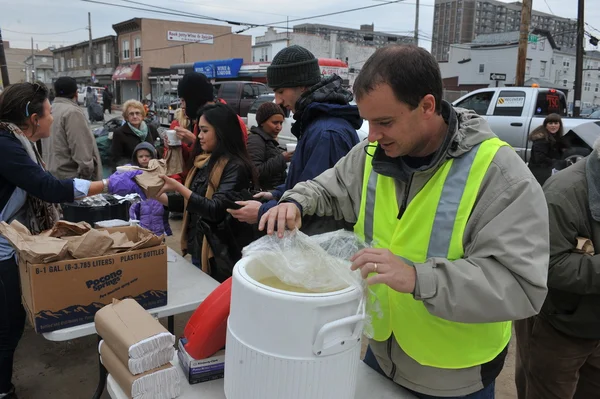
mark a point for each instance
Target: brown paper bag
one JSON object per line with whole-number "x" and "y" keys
{"x": 62, "y": 228}
{"x": 119, "y": 238}
{"x": 34, "y": 249}
{"x": 584, "y": 246}
{"x": 146, "y": 239}
{"x": 149, "y": 180}
{"x": 90, "y": 245}
{"x": 174, "y": 161}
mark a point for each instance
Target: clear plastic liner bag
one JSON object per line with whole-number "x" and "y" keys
{"x": 319, "y": 263}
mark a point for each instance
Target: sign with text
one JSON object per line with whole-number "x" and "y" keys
{"x": 327, "y": 71}
{"x": 497, "y": 76}
{"x": 219, "y": 69}
{"x": 510, "y": 102}
{"x": 202, "y": 38}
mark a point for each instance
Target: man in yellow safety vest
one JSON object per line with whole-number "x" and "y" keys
{"x": 458, "y": 225}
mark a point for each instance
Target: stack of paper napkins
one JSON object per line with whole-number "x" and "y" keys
{"x": 136, "y": 350}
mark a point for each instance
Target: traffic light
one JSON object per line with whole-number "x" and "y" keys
{"x": 593, "y": 40}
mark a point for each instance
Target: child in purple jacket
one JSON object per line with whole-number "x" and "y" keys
{"x": 151, "y": 213}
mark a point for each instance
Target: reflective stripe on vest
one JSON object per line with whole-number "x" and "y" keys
{"x": 432, "y": 225}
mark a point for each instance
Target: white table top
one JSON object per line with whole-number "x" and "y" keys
{"x": 370, "y": 385}
{"x": 188, "y": 286}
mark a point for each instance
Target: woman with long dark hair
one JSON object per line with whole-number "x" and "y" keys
{"x": 547, "y": 148}
{"x": 28, "y": 194}
{"x": 220, "y": 166}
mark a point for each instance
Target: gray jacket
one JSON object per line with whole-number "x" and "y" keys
{"x": 71, "y": 150}
{"x": 503, "y": 274}
{"x": 573, "y": 302}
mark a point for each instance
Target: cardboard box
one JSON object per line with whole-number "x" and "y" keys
{"x": 68, "y": 293}
{"x": 196, "y": 371}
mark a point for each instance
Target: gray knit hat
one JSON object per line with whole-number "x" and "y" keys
{"x": 293, "y": 66}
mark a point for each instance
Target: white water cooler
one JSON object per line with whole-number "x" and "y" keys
{"x": 288, "y": 345}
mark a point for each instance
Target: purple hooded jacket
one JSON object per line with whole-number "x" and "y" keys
{"x": 152, "y": 214}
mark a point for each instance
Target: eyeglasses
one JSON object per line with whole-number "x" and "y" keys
{"x": 370, "y": 150}
{"x": 137, "y": 113}
{"x": 37, "y": 88}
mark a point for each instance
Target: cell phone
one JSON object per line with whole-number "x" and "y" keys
{"x": 229, "y": 204}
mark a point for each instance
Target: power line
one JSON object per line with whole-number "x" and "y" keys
{"x": 548, "y": 5}
{"x": 179, "y": 13}
{"x": 43, "y": 34}
{"x": 591, "y": 27}
{"x": 191, "y": 15}
{"x": 340, "y": 12}
{"x": 170, "y": 9}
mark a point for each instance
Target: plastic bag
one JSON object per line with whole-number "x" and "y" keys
{"x": 318, "y": 263}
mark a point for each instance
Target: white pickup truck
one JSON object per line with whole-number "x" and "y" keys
{"x": 513, "y": 112}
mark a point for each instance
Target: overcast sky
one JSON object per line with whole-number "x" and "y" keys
{"x": 48, "y": 20}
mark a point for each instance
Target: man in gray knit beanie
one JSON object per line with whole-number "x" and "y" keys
{"x": 325, "y": 126}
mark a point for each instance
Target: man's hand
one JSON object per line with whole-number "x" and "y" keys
{"x": 388, "y": 268}
{"x": 185, "y": 135}
{"x": 247, "y": 214}
{"x": 264, "y": 195}
{"x": 283, "y": 215}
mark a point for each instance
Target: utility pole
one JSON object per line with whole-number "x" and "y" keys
{"x": 579, "y": 60}
{"x": 417, "y": 23}
{"x": 91, "y": 55}
{"x": 32, "y": 63}
{"x": 523, "y": 42}
{"x": 3, "y": 64}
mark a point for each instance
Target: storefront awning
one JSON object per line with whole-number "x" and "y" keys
{"x": 219, "y": 69}
{"x": 128, "y": 72}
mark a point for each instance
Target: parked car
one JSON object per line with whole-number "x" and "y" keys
{"x": 82, "y": 92}
{"x": 514, "y": 112}
{"x": 594, "y": 115}
{"x": 166, "y": 98}
{"x": 586, "y": 112}
{"x": 239, "y": 95}
{"x": 286, "y": 136}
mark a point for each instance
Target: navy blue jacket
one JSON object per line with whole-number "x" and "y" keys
{"x": 327, "y": 134}
{"x": 17, "y": 169}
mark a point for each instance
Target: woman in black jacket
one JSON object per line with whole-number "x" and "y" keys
{"x": 28, "y": 194}
{"x": 132, "y": 133}
{"x": 263, "y": 147}
{"x": 221, "y": 167}
{"x": 547, "y": 148}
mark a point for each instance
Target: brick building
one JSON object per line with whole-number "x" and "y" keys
{"x": 146, "y": 43}
{"x": 75, "y": 61}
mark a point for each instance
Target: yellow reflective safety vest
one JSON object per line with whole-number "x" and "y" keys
{"x": 432, "y": 225}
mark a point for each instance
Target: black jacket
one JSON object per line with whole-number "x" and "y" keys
{"x": 208, "y": 217}
{"x": 546, "y": 154}
{"x": 124, "y": 142}
{"x": 267, "y": 157}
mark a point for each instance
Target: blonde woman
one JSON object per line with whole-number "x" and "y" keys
{"x": 132, "y": 133}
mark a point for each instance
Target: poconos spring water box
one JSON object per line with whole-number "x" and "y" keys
{"x": 68, "y": 293}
